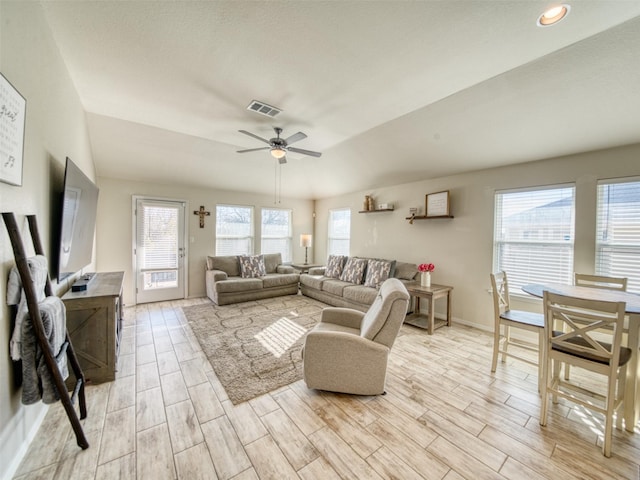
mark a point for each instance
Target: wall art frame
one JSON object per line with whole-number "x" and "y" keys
{"x": 437, "y": 204}
{"x": 13, "y": 114}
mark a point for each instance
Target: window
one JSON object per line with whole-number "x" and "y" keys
{"x": 234, "y": 230}
{"x": 276, "y": 233}
{"x": 618, "y": 231}
{"x": 533, "y": 236}
{"x": 339, "y": 231}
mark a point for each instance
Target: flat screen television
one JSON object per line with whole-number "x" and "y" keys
{"x": 78, "y": 221}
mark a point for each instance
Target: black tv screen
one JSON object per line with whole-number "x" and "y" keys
{"x": 78, "y": 222}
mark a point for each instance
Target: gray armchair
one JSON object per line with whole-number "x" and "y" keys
{"x": 348, "y": 350}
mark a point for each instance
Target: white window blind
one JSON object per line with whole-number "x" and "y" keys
{"x": 534, "y": 235}
{"x": 276, "y": 232}
{"x": 158, "y": 245}
{"x": 234, "y": 230}
{"x": 618, "y": 231}
{"x": 339, "y": 231}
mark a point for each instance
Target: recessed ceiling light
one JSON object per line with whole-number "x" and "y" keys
{"x": 553, "y": 15}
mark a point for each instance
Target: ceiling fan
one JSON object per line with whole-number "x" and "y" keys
{"x": 280, "y": 146}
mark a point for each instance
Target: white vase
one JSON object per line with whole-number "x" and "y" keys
{"x": 425, "y": 279}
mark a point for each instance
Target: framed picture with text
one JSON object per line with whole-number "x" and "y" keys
{"x": 437, "y": 204}
{"x": 13, "y": 108}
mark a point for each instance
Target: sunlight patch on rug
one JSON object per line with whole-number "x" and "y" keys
{"x": 279, "y": 337}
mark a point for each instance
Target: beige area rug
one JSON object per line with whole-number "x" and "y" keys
{"x": 255, "y": 347}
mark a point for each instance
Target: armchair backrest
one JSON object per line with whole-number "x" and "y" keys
{"x": 384, "y": 318}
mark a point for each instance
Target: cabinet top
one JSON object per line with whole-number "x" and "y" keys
{"x": 104, "y": 284}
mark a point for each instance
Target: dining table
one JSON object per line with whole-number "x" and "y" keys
{"x": 632, "y": 309}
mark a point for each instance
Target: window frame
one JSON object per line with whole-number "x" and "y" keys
{"x": 250, "y": 237}
{"x": 544, "y": 259}
{"x": 331, "y": 237}
{"x": 287, "y": 256}
{"x": 622, "y": 268}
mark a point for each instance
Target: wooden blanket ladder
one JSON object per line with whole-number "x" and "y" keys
{"x": 34, "y": 314}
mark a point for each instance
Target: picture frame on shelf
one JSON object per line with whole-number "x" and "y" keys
{"x": 12, "y": 125}
{"x": 437, "y": 204}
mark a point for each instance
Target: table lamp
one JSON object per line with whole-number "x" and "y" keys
{"x": 305, "y": 241}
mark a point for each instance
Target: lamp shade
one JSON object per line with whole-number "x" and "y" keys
{"x": 305, "y": 240}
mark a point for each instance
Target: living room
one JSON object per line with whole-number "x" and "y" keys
{"x": 59, "y": 125}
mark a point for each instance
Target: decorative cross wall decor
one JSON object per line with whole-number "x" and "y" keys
{"x": 202, "y": 213}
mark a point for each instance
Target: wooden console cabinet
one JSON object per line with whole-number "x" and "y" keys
{"x": 94, "y": 323}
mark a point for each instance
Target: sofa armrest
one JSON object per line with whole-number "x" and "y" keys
{"x": 285, "y": 269}
{"x": 317, "y": 270}
{"x": 216, "y": 275}
{"x": 347, "y": 317}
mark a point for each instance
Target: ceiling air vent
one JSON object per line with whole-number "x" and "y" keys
{"x": 263, "y": 109}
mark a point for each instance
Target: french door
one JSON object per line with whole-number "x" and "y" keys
{"x": 159, "y": 253}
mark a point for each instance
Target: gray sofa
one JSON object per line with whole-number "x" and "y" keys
{"x": 340, "y": 293}
{"x": 225, "y": 283}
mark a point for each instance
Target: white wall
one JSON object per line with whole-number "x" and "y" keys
{"x": 462, "y": 248}
{"x": 114, "y": 228}
{"x": 55, "y": 129}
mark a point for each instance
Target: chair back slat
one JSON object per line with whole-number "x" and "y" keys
{"x": 600, "y": 281}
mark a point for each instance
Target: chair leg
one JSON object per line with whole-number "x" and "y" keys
{"x": 507, "y": 339}
{"x": 496, "y": 347}
{"x": 608, "y": 422}
{"x": 541, "y": 358}
{"x": 620, "y": 400}
{"x": 556, "y": 377}
{"x": 566, "y": 371}
{"x": 543, "y": 392}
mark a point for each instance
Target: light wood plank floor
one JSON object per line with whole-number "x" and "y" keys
{"x": 445, "y": 416}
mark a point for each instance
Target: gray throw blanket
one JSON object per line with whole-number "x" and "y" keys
{"x": 37, "y": 380}
{"x": 38, "y": 268}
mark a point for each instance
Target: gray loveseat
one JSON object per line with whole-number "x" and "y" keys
{"x": 336, "y": 289}
{"x": 225, "y": 283}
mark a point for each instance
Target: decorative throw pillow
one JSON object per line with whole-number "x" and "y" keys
{"x": 335, "y": 264}
{"x": 252, "y": 266}
{"x": 377, "y": 272}
{"x": 353, "y": 271}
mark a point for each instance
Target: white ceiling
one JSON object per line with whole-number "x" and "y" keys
{"x": 389, "y": 91}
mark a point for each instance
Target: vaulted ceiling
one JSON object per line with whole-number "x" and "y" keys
{"x": 389, "y": 91}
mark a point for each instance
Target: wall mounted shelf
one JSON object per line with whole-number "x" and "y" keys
{"x": 424, "y": 217}
{"x": 376, "y": 211}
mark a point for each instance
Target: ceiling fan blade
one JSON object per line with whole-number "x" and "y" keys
{"x": 255, "y": 136}
{"x": 296, "y": 137}
{"x": 253, "y": 149}
{"x": 304, "y": 152}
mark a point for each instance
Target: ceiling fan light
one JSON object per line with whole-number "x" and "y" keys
{"x": 277, "y": 152}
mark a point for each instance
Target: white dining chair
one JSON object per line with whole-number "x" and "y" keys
{"x": 506, "y": 318}
{"x": 580, "y": 343}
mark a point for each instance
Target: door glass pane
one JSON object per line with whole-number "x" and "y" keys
{"x": 159, "y": 245}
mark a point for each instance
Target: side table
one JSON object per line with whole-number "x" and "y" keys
{"x": 304, "y": 267}
{"x": 431, "y": 294}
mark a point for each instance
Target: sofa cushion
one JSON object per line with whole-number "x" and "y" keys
{"x": 353, "y": 271}
{"x": 405, "y": 271}
{"x": 360, "y": 294}
{"x": 271, "y": 261}
{"x": 227, "y": 263}
{"x": 377, "y": 272}
{"x": 237, "y": 284}
{"x": 335, "y": 264}
{"x": 312, "y": 281}
{"x": 252, "y": 266}
{"x": 279, "y": 279}
{"x": 331, "y": 285}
